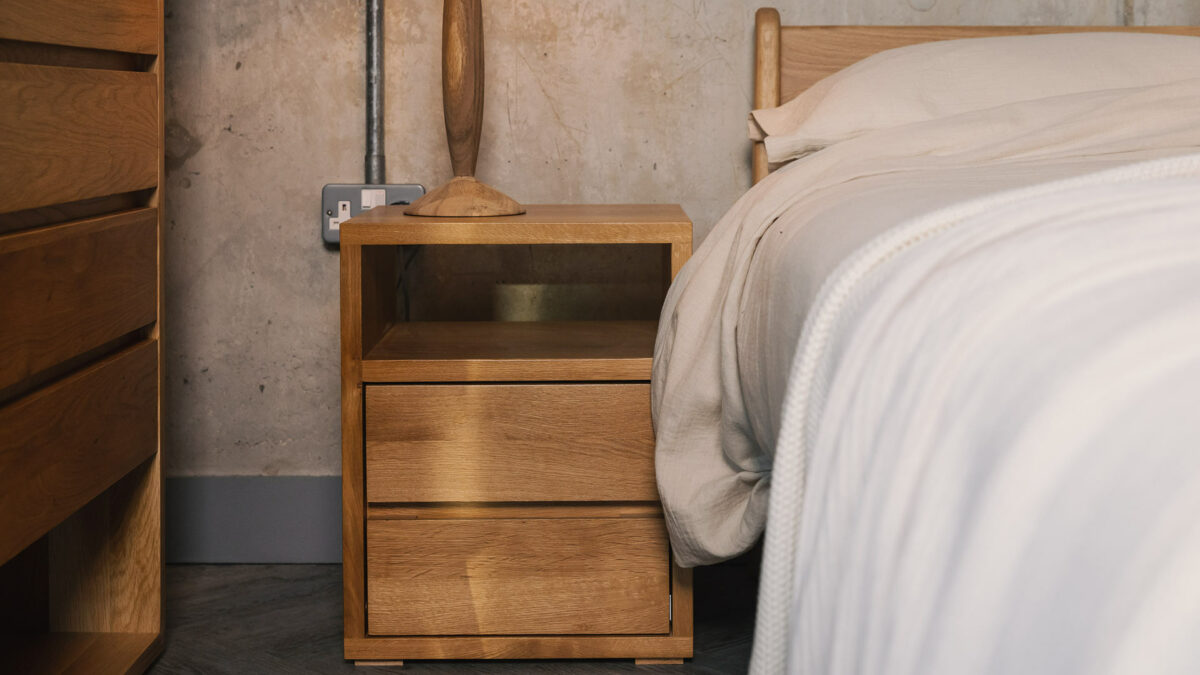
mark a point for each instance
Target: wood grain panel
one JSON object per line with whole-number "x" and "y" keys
{"x": 510, "y": 510}
{"x": 354, "y": 593}
{"x": 78, "y": 653}
{"x": 462, "y": 81}
{"x": 540, "y": 224}
{"x": 509, "y": 443}
{"x": 456, "y": 577}
{"x": 682, "y": 624}
{"x": 378, "y": 293}
{"x": 142, "y": 533}
{"x": 118, "y": 25}
{"x": 766, "y": 76}
{"x": 105, "y": 560}
{"x": 516, "y": 647}
{"x": 465, "y": 351}
{"x": 63, "y": 445}
{"x": 72, "y": 287}
{"x": 68, "y": 134}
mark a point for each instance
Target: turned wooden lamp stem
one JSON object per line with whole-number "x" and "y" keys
{"x": 462, "y": 81}
{"x": 462, "y": 105}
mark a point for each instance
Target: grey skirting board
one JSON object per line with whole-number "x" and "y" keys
{"x": 253, "y": 519}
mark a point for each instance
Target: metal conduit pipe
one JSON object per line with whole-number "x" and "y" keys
{"x": 376, "y": 166}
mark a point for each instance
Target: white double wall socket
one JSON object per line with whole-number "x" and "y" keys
{"x": 342, "y": 201}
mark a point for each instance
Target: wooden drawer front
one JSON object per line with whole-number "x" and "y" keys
{"x": 121, "y": 25}
{"x": 63, "y": 445}
{"x": 519, "y": 442}
{"x": 73, "y": 287}
{"x": 517, "y": 577}
{"x": 75, "y": 133}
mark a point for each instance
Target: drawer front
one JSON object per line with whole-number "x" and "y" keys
{"x": 519, "y": 442}
{"x": 517, "y": 577}
{"x": 119, "y": 25}
{"x": 63, "y": 445}
{"x": 75, "y": 133}
{"x": 73, "y": 287}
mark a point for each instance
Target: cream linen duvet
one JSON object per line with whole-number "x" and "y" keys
{"x": 732, "y": 322}
{"x": 951, "y": 357}
{"x": 960, "y": 359}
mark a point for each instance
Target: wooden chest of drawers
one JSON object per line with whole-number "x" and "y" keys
{"x": 498, "y": 477}
{"x": 81, "y": 335}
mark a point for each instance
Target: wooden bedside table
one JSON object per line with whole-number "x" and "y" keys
{"x": 498, "y": 493}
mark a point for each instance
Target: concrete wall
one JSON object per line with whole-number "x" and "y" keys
{"x": 587, "y": 101}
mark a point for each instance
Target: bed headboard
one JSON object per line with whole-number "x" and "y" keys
{"x": 789, "y": 59}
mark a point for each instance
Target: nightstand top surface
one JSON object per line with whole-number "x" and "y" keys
{"x": 540, "y": 224}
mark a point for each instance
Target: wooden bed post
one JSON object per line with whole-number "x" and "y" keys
{"x": 766, "y": 74}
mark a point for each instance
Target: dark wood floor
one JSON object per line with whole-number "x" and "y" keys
{"x": 288, "y": 619}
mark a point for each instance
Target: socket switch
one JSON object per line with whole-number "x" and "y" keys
{"x": 342, "y": 201}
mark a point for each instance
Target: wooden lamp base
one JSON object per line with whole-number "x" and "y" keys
{"x": 465, "y": 197}
{"x": 462, "y": 105}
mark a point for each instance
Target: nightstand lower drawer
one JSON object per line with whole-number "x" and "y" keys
{"x": 509, "y": 443}
{"x": 518, "y": 576}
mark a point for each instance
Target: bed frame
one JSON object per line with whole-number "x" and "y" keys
{"x": 789, "y": 59}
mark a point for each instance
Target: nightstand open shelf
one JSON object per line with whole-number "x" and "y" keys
{"x": 482, "y": 351}
{"x": 498, "y": 489}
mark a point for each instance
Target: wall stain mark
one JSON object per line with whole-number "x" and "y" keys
{"x": 180, "y": 145}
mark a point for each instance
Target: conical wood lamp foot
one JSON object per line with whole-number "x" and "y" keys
{"x": 465, "y": 197}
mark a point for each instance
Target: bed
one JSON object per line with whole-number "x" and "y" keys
{"x": 948, "y": 356}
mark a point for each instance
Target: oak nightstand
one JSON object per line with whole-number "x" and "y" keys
{"x": 498, "y": 493}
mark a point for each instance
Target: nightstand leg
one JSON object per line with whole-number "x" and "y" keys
{"x": 394, "y": 664}
{"x": 658, "y": 662}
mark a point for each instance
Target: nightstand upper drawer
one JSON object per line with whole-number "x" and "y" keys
{"x": 509, "y": 443}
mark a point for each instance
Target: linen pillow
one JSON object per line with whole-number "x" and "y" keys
{"x": 932, "y": 80}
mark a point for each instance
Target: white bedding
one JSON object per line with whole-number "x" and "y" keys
{"x": 947, "y": 503}
{"x": 990, "y": 454}
{"x": 732, "y": 319}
